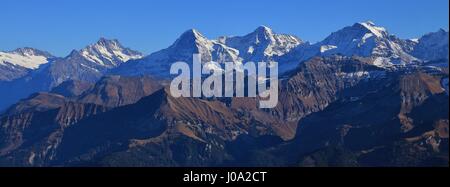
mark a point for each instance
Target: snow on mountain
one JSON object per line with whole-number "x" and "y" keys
{"x": 189, "y": 43}
{"x": 432, "y": 46}
{"x": 24, "y": 57}
{"x": 377, "y": 31}
{"x": 109, "y": 53}
{"x": 363, "y": 39}
{"x": 261, "y": 44}
{"x": 414, "y": 40}
{"x": 87, "y": 65}
{"x": 366, "y": 39}
{"x": 17, "y": 63}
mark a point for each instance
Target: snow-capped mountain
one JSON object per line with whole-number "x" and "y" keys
{"x": 363, "y": 39}
{"x": 366, "y": 39}
{"x": 17, "y": 63}
{"x": 333, "y": 97}
{"x": 32, "y": 70}
{"x": 25, "y": 57}
{"x": 108, "y": 53}
{"x": 189, "y": 43}
{"x": 432, "y": 46}
{"x": 91, "y": 62}
{"x": 88, "y": 65}
{"x": 261, "y": 44}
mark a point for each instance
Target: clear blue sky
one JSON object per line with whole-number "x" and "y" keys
{"x": 59, "y": 26}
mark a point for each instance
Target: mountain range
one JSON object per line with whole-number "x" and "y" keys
{"x": 29, "y": 70}
{"x": 360, "y": 97}
{"x": 85, "y": 65}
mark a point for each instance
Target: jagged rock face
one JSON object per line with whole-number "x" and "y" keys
{"x": 11, "y": 72}
{"x": 317, "y": 83}
{"x": 415, "y": 90}
{"x": 376, "y": 129}
{"x": 432, "y": 46}
{"x": 32, "y": 129}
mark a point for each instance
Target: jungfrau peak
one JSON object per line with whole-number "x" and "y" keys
{"x": 377, "y": 31}
{"x": 364, "y": 39}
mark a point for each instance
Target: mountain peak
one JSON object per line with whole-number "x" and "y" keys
{"x": 368, "y": 23}
{"x": 372, "y": 28}
{"x": 190, "y": 38}
{"x": 442, "y": 30}
{"x": 192, "y": 34}
{"x": 366, "y": 39}
{"x": 28, "y": 51}
{"x": 262, "y": 32}
{"x": 439, "y": 36}
{"x": 264, "y": 29}
{"x": 105, "y": 41}
{"x": 73, "y": 53}
{"x": 432, "y": 46}
{"x": 25, "y": 57}
{"x": 108, "y": 52}
{"x": 261, "y": 44}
